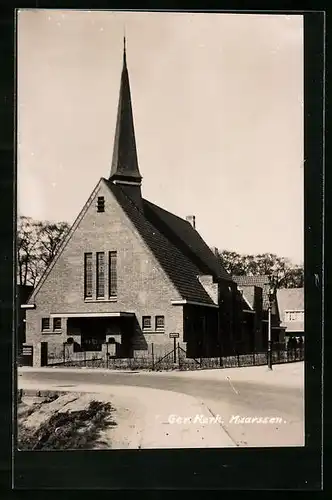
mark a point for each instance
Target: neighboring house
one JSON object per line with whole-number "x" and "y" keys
{"x": 291, "y": 308}
{"x": 256, "y": 291}
{"x": 23, "y": 294}
{"x": 131, "y": 273}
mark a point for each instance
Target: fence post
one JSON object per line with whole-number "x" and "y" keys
{"x": 174, "y": 351}
{"x": 107, "y": 355}
{"x": 64, "y": 352}
{"x": 152, "y": 352}
{"x": 238, "y": 359}
{"x": 84, "y": 357}
{"x": 178, "y": 348}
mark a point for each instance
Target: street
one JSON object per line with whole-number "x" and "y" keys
{"x": 242, "y": 404}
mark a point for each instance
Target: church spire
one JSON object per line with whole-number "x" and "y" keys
{"x": 124, "y": 169}
{"x": 124, "y": 51}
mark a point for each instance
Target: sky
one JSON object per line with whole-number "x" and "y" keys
{"x": 218, "y": 112}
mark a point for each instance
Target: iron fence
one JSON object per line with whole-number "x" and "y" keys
{"x": 174, "y": 360}
{"x": 242, "y": 360}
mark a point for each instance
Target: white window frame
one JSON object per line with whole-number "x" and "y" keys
{"x": 57, "y": 329}
{"x": 160, "y": 328}
{"x": 298, "y": 316}
{"x": 146, "y": 328}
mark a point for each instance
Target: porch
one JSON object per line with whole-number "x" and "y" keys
{"x": 91, "y": 331}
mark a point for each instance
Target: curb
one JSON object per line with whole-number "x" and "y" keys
{"x": 38, "y": 393}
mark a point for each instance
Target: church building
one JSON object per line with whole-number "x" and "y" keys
{"x": 131, "y": 273}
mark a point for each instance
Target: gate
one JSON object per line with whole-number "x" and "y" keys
{"x": 26, "y": 356}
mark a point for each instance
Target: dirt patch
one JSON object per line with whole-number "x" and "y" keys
{"x": 62, "y": 422}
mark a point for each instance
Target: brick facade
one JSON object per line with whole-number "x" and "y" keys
{"x": 143, "y": 287}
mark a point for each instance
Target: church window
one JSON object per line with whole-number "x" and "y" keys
{"x": 100, "y": 277}
{"x": 113, "y": 289}
{"x": 88, "y": 275}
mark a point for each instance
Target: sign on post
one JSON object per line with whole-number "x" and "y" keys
{"x": 174, "y": 336}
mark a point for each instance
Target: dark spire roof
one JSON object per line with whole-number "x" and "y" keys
{"x": 124, "y": 163}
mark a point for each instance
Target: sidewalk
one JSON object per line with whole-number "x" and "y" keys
{"x": 146, "y": 418}
{"x": 283, "y": 375}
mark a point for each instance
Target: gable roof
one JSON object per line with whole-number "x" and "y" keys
{"x": 182, "y": 234}
{"x": 260, "y": 281}
{"x": 181, "y": 271}
{"x": 290, "y": 299}
{"x": 64, "y": 242}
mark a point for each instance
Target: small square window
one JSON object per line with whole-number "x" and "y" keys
{"x": 101, "y": 204}
{"x": 146, "y": 322}
{"x": 45, "y": 324}
{"x": 56, "y": 323}
{"x": 160, "y": 322}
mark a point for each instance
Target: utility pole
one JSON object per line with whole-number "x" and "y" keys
{"x": 272, "y": 288}
{"x": 269, "y": 340}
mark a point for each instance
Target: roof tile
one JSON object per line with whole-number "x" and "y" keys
{"x": 186, "y": 238}
{"x": 181, "y": 271}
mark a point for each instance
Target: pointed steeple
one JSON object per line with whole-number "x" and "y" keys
{"x": 124, "y": 169}
{"x": 124, "y": 51}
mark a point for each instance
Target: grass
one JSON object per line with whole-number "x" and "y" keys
{"x": 67, "y": 430}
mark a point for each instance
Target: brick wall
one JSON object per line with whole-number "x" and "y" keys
{"x": 143, "y": 287}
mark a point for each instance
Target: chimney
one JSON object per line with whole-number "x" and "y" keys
{"x": 192, "y": 220}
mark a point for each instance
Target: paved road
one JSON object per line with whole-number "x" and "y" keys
{"x": 224, "y": 398}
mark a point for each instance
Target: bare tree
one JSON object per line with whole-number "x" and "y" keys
{"x": 27, "y": 250}
{"x": 37, "y": 245}
{"x": 50, "y": 235}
